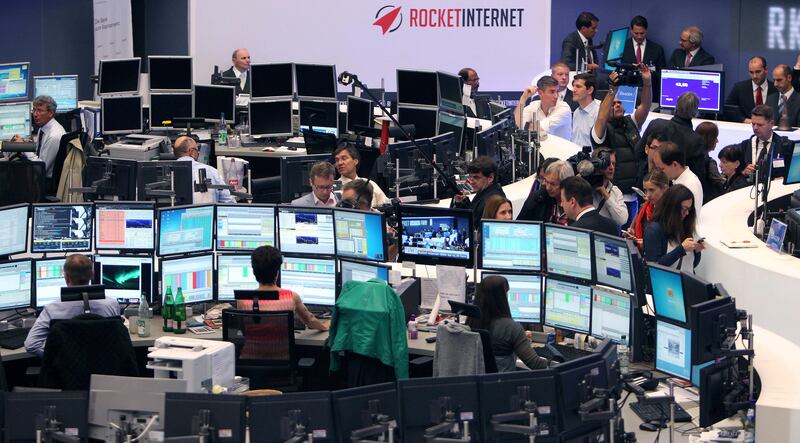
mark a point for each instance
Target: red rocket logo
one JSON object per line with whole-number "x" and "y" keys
{"x": 386, "y": 20}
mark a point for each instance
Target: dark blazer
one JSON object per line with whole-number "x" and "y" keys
{"x": 593, "y": 221}
{"x": 230, "y": 74}
{"x": 796, "y": 79}
{"x": 678, "y": 58}
{"x": 680, "y": 132}
{"x": 781, "y": 148}
{"x": 653, "y": 53}
{"x": 742, "y": 96}
{"x": 479, "y": 201}
{"x": 571, "y": 43}
{"x": 793, "y": 107}
{"x": 537, "y": 207}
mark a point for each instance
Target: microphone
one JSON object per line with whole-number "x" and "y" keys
{"x": 346, "y": 78}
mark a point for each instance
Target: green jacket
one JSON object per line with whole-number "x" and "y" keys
{"x": 368, "y": 319}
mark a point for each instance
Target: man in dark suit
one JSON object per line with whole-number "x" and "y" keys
{"x": 690, "y": 53}
{"x": 640, "y": 49}
{"x": 747, "y": 94}
{"x": 580, "y": 42}
{"x": 576, "y": 200}
{"x": 240, "y": 69}
{"x": 482, "y": 176}
{"x": 542, "y": 204}
{"x": 796, "y": 74}
{"x": 763, "y": 140}
{"x": 785, "y": 98}
{"x": 479, "y": 104}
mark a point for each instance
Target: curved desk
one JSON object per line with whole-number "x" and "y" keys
{"x": 767, "y": 284}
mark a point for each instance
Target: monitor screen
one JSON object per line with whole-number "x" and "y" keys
{"x": 673, "y": 350}
{"x": 122, "y": 115}
{"x": 170, "y": 73}
{"x": 14, "y": 81}
{"x": 417, "y": 88}
{"x": 211, "y": 102}
{"x": 424, "y": 120}
{"x": 319, "y": 115}
{"x": 271, "y": 118}
{"x": 306, "y": 230}
{"x": 567, "y": 305}
{"x": 432, "y": 235}
{"x": 119, "y": 76}
{"x": 15, "y": 119}
{"x": 294, "y": 172}
{"x": 63, "y": 89}
{"x": 245, "y": 227}
{"x": 14, "y": 236}
{"x": 359, "y": 113}
{"x": 615, "y": 44}
{"x": 706, "y": 84}
{"x": 126, "y": 277}
{"x": 792, "y": 174}
{"x": 125, "y": 226}
{"x": 313, "y": 279}
{"x": 15, "y": 284}
{"x": 48, "y": 279}
{"x": 667, "y": 288}
{"x": 524, "y": 296}
{"x": 271, "y": 80}
{"x": 455, "y": 124}
{"x": 234, "y": 272}
{"x": 569, "y": 251}
{"x": 612, "y": 262}
{"x": 360, "y": 234}
{"x": 510, "y": 245}
{"x": 450, "y": 92}
{"x": 62, "y": 228}
{"x": 192, "y": 274}
{"x": 611, "y": 314}
{"x": 185, "y": 229}
{"x": 362, "y": 271}
{"x": 163, "y": 172}
{"x": 315, "y": 81}
{"x": 164, "y": 108}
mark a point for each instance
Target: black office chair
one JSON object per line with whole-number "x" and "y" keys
{"x": 22, "y": 181}
{"x": 61, "y": 156}
{"x": 264, "y": 348}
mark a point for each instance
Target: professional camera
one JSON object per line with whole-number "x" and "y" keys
{"x": 627, "y": 74}
{"x": 591, "y": 169}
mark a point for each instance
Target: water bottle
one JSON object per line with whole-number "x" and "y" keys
{"x": 223, "y": 131}
{"x": 623, "y": 354}
{"x": 179, "y": 325}
{"x": 143, "y": 318}
{"x": 167, "y": 310}
{"x": 412, "y": 328}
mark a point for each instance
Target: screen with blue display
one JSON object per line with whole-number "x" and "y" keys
{"x": 360, "y": 234}
{"x": 14, "y": 81}
{"x": 673, "y": 350}
{"x": 667, "y": 288}
{"x": 358, "y": 271}
{"x": 793, "y": 174}
{"x": 63, "y": 89}
{"x": 616, "y": 44}
{"x": 511, "y": 245}
{"x": 612, "y": 262}
{"x": 185, "y": 229}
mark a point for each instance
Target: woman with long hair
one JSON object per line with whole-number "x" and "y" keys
{"x": 668, "y": 238}
{"x": 655, "y": 184}
{"x": 498, "y": 208}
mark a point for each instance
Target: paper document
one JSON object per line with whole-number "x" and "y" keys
{"x": 452, "y": 284}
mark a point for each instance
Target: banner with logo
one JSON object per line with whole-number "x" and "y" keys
{"x": 113, "y": 37}
{"x": 506, "y": 41}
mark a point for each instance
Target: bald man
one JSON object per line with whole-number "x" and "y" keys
{"x": 240, "y": 69}
{"x": 185, "y": 149}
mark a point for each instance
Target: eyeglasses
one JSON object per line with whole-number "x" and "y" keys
{"x": 323, "y": 187}
{"x": 686, "y": 209}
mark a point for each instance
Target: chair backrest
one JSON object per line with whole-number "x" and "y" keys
{"x": 263, "y": 339}
{"x": 488, "y": 355}
{"x": 22, "y": 182}
{"x": 459, "y": 351}
{"x": 61, "y": 156}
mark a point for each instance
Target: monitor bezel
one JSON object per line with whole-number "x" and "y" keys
{"x": 77, "y": 88}
{"x": 340, "y": 260}
{"x": 179, "y": 57}
{"x": 691, "y": 351}
{"x": 27, "y": 84}
{"x": 215, "y": 120}
{"x": 136, "y": 130}
{"x": 795, "y": 150}
{"x": 183, "y": 207}
{"x": 27, "y": 226}
{"x": 314, "y": 97}
{"x": 305, "y": 101}
{"x": 162, "y": 289}
{"x": 35, "y": 279}
{"x": 435, "y": 260}
{"x": 544, "y": 304}
{"x": 116, "y": 93}
{"x": 270, "y": 134}
{"x": 97, "y": 279}
{"x": 336, "y": 273}
{"x": 412, "y": 104}
{"x": 253, "y": 77}
{"x": 430, "y": 109}
{"x": 217, "y": 258}
{"x": 384, "y": 242}
{"x": 446, "y": 107}
{"x": 650, "y": 265}
{"x": 29, "y": 104}
{"x": 595, "y": 271}
{"x": 511, "y": 222}
{"x": 317, "y": 210}
{"x": 146, "y": 205}
{"x": 31, "y": 297}
{"x": 217, "y": 247}
{"x": 32, "y": 213}
{"x": 459, "y": 140}
{"x": 353, "y": 98}
{"x": 618, "y": 292}
{"x": 524, "y": 274}
{"x": 690, "y": 69}
{"x": 586, "y": 281}
{"x": 159, "y": 94}
{"x": 607, "y": 43}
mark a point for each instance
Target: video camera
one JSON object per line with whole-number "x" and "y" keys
{"x": 590, "y": 168}
{"x": 628, "y": 74}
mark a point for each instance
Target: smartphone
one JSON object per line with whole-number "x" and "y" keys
{"x": 638, "y": 191}
{"x": 700, "y": 240}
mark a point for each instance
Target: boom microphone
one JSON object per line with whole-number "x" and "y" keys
{"x": 347, "y": 78}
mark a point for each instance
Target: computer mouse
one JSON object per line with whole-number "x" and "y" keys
{"x": 650, "y": 427}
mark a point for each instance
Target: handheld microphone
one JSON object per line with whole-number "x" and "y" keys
{"x": 346, "y": 78}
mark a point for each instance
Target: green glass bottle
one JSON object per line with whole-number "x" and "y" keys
{"x": 168, "y": 310}
{"x": 179, "y": 317}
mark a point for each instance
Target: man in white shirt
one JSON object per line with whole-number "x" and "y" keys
{"x": 185, "y": 149}
{"x": 48, "y": 137}
{"x": 320, "y": 177}
{"x": 553, "y": 115}
{"x": 240, "y": 70}
{"x": 583, "y": 86}
{"x": 672, "y": 161}
{"x": 347, "y": 159}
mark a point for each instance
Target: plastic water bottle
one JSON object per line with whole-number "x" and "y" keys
{"x": 179, "y": 326}
{"x": 143, "y": 318}
{"x": 168, "y": 310}
{"x": 223, "y": 131}
{"x": 623, "y": 354}
{"x": 412, "y": 328}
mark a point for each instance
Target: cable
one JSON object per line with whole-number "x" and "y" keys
{"x": 147, "y": 427}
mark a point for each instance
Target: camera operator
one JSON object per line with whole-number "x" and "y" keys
{"x": 607, "y": 198}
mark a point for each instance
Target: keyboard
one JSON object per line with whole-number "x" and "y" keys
{"x": 566, "y": 351}
{"x": 657, "y": 413}
{"x": 13, "y": 338}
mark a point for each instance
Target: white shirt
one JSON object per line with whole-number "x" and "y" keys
{"x": 213, "y": 195}
{"x": 688, "y": 179}
{"x": 242, "y": 79}
{"x": 614, "y": 208}
{"x": 378, "y": 197}
{"x": 578, "y": 217}
{"x": 757, "y": 145}
{"x": 582, "y": 122}
{"x": 558, "y": 122}
{"x": 764, "y": 89}
{"x": 319, "y": 203}
{"x": 50, "y": 134}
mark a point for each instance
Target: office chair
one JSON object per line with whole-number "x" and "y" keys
{"x": 264, "y": 348}
{"x": 22, "y": 181}
{"x": 74, "y": 170}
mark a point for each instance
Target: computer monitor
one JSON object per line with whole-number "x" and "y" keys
{"x": 119, "y": 76}
{"x": 126, "y": 277}
{"x": 611, "y": 314}
{"x": 511, "y": 245}
{"x": 159, "y": 176}
{"x": 128, "y": 226}
{"x": 715, "y": 386}
{"x": 306, "y": 230}
{"x": 212, "y": 101}
{"x": 614, "y": 45}
{"x": 193, "y": 274}
{"x": 14, "y": 81}
{"x": 455, "y": 124}
{"x": 112, "y": 177}
{"x": 424, "y": 120}
{"x": 355, "y": 407}
{"x": 271, "y": 118}
{"x": 710, "y": 322}
{"x": 417, "y": 88}
{"x": 612, "y": 262}
{"x": 275, "y": 414}
{"x": 23, "y": 410}
{"x": 122, "y": 115}
{"x": 63, "y": 89}
{"x": 15, "y": 119}
{"x": 673, "y": 350}
{"x": 360, "y": 234}
{"x": 170, "y": 73}
{"x": 245, "y": 227}
{"x": 48, "y": 279}
{"x": 294, "y": 174}
{"x": 422, "y": 403}
{"x": 666, "y": 286}
{"x": 488, "y": 140}
{"x": 362, "y": 271}
{"x": 271, "y": 80}
{"x": 226, "y": 415}
{"x": 359, "y": 113}
{"x": 234, "y": 272}
{"x": 165, "y": 108}
{"x": 315, "y": 81}
{"x": 568, "y": 251}
{"x": 62, "y": 227}
{"x": 321, "y": 116}
{"x": 708, "y": 86}
{"x": 571, "y": 375}
{"x": 314, "y": 279}
{"x": 696, "y": 290}
{"x": 14, "y": 236}
{"x": 450, "y": 92}
{"x": 185, "y": 229}
{"x": 432, "y": 235}
{"x": 16, "y": 288}
{"x": 793, "y": 168}
{"x": 567, "y": 305}
{"x": 505, "y": 393}
{"x": 524, "y": 296}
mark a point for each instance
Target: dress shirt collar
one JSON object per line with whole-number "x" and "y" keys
{"x": 317, "y": 202}
{"x": 590, "y": 208}
{"x": 583, "y": 39}
{"x": 763, "y": 87}
{"x": 788, "y": 94}
{"x": 694, "y": 52}
{"x": 237, "y": 72}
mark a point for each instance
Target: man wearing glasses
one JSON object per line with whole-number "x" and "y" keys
{"x": 320, "y": 177}
{"x": 482, "y": 173}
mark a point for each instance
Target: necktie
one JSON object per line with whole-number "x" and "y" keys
{"x": 638, "y": 53}
{"x": 688, "y": 60}
{"x": 243, "y": 79}
{"x": 589, "y": 58}
{"x": 39, "y": 142}
{"x": 759, "y": 97}
{"x": 760, "y": 150}
{"x": 782, "y": 105}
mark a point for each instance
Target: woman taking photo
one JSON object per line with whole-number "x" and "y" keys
{"x": 668, "y": 238}
{"x": 655, "y": 184}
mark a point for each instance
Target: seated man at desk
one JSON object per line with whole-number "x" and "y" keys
{"x": 320, "y": 178}
{"x": 78, "y": 271}
{"x": 240, "y": 70}
{"x": 347, "y": 159}
{"x": 185, "y": 149}
{"x": 48, "y": 137}
{"x": 554, "y": 116}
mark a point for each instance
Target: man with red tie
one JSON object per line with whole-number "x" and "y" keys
{"x": 640, "y": 49}
{"x": 748, "y": 94}
{"x": 690, "y": 53}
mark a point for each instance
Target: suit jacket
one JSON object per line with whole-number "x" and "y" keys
{"x": 680, "y": 132}
{"x": 653, "y": 53}
{"x": 742, "y": 96}
{"x": 571, "y": 43}
{"x": 678, "y": 58}
{"x": 781, "y": 148}
{"x": 796, "y": 79}
{"x": 479, "y": 201}
{"x": 239, "y": 90}
{"x": 308, "y": 200}
{"x": 593, "y": 221}
{"x": 793, "y": 107}
{"x": 537, "y": 207}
